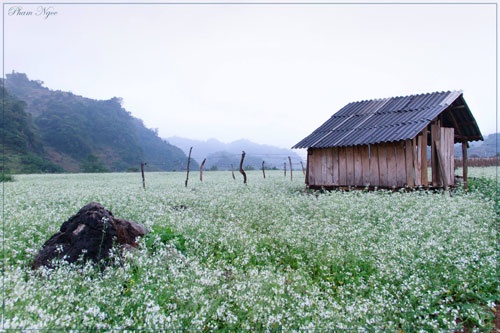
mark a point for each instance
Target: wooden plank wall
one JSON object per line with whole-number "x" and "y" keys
{"x": 395, "y": 164}
{"x": 446, "y": 143}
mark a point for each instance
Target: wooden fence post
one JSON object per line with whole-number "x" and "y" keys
{"x": 263, "y": 172}
{"x": 142, "y": 172}
{"x": 284, "y": 169}
{"x": 201, "y": 169}
{"x": 232, "y": 171}
{"x": 291, "y": 172}
{"x": 189, "y": 161}
{"x": 303, "y": 169}
{"x": 241, "y": 168}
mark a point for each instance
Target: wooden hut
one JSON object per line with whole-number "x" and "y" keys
{"x": 384, "y": 143}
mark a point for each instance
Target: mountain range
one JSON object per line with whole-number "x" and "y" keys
{"x": 481, "y": 149}
{"x": 56, "y": 131}
{"x": 47, "y": 131}
{"x": 220, "y": 155}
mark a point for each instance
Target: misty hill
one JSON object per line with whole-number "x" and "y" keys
{"x": 486, "y": 148}
{"x": 22, "y": 147}
{"x": 58, "y": 131}
{"x": 221, "y": 155}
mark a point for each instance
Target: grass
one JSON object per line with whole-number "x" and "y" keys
{"x": 268, "y": 255}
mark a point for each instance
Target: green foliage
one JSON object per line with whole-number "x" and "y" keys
{"x": 93, "y": 165}
{"x": 484, "y": 185}
{"x": 74, "y": 127}
{"x": 488, "y": 187}
{"x": 5, "y": 177}
{"x": 61, "y": 128}
{"x": 160, "y": 237}
{"x": 31, "y": 163}
{"x": 16, "y": 128}
{"x": 258, "y": 257}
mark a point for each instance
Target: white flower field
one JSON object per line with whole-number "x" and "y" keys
{"x": 267, "y": 256}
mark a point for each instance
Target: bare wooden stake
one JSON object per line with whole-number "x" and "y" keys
{"x": 241, "y": 168}
{"x": 263, "y": 172}
{"x": 284, "y": 169}
{"x": 303, "y": 169}
{"x": 189, "y": 161}
{"x": 232, "y": 171}
{"x": 142, "y": 172}
{"x": 291, "y": 173}
{"x": 201, "y": 169}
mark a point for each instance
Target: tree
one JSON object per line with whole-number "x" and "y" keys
{"x": 93, "y": 165}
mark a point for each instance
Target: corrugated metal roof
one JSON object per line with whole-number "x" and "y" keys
{"x": 393, "y": 119}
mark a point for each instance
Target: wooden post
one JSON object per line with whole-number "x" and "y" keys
{"x": 263, "y": 172}
{"x": 442, "y": 170}
{"x": 464, "y": 163}
{"x": 410, "y": 165}
{"x": 232, "y": 171}
{"x": 241, "y": 168}
{"x": 142, "y": 172}
{"x": 291, "y": 173}
{"x": 308, "y": 164}
{"x": 416, "y": 161}
{"x": 189, "y": 161}
{"x": 435, "y": 142}
{"x": 284, "y": 168}
{"x": 422, "y": 148}
{"x": 201, "y": 169}
{"x": 303, "y": 169}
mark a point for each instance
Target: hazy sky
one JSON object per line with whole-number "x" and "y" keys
{"x": 271, "y": 73}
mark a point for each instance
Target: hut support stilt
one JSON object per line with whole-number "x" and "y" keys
{"x": 464, "y": 163}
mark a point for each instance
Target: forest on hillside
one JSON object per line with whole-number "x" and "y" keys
{"x": 57, "y": 131}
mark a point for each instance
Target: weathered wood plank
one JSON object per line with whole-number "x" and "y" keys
{"x": 416, "y": 162}
{"x": 365, "y": 160}
{"x": 308, "y": 166}
{"x": 358, "y": 166}
{"x": 451, "y": 152}
{"x": 342, "y": 166}
{"x": 440, "y": 158}
{"x": 399, "y": 151}
{"x": 391, "y": 165}
{"x": 329, "y": 167}
{"x": 382, "y": 164}
{"x": 324, "y": 166}
{"x": 312, "y": 166}
{"x": 410, "y": 165}
{"x": 374, "y": 171}
{"x": 349, "y": 153}
{"x": 435, "y": 142}
{"x": 335, "y": 172}
{"x": 422, "y": 150}
{"x": 447, "y": 151}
